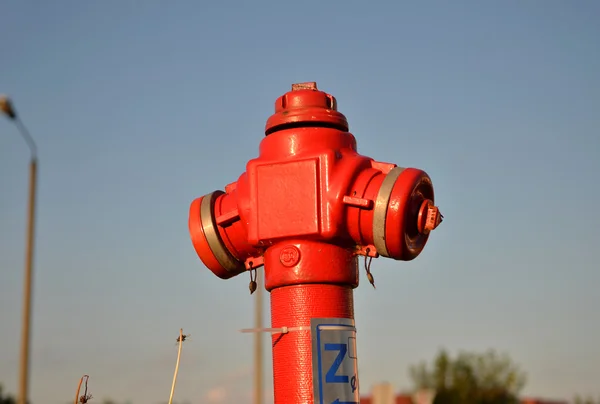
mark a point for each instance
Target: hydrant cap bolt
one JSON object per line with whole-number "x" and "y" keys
{"x": 429, "y": 217}
{"x": 311, "y": 85}
{"x": 306, "y": 106}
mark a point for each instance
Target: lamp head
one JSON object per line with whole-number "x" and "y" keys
{"x": 6, "y": 107}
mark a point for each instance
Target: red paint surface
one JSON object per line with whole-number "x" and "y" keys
{"x": 294, "y": 306}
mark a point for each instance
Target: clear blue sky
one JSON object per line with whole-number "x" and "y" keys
{"x": 138, "y": 107}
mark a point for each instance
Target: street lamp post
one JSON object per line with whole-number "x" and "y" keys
{"x": 7, "y": 108}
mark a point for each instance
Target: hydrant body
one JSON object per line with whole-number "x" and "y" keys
{"x": 306, "y": 208}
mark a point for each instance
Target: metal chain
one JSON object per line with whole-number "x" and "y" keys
{"x": 368, "y": 260}
{"x": 252, "y": 285}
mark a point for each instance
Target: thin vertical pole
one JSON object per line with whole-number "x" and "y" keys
{"x": 258, "y": 348}
{"x": 26, "y": 323}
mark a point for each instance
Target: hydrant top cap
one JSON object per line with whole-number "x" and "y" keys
{"x": 305, "y": 105}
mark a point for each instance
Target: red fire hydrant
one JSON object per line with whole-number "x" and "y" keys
{"x": 306, "y": 208}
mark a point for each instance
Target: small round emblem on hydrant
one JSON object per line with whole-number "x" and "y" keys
{"x": 289, "y": 256}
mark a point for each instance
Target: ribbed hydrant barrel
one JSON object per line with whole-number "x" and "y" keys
{"x": 307, "y": 208}
{"x": 308, "y": 281}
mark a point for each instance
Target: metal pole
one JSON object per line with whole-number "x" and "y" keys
{"x": 7, "y": 108}
{"x": 27, "y": 295}
{"x": 258, "y": 348}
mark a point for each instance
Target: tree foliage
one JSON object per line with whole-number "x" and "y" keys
{"x": 6, "y": 399}
{"x": 470, "y": 378}
{"x": 588, "y": 400}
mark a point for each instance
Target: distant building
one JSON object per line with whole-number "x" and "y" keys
{"x": 383, "y": 393}
{"x": 542, "y": 401}
{"x": 399, "y": 399}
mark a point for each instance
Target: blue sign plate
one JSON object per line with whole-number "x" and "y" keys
{"x": 335, "y": 364}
